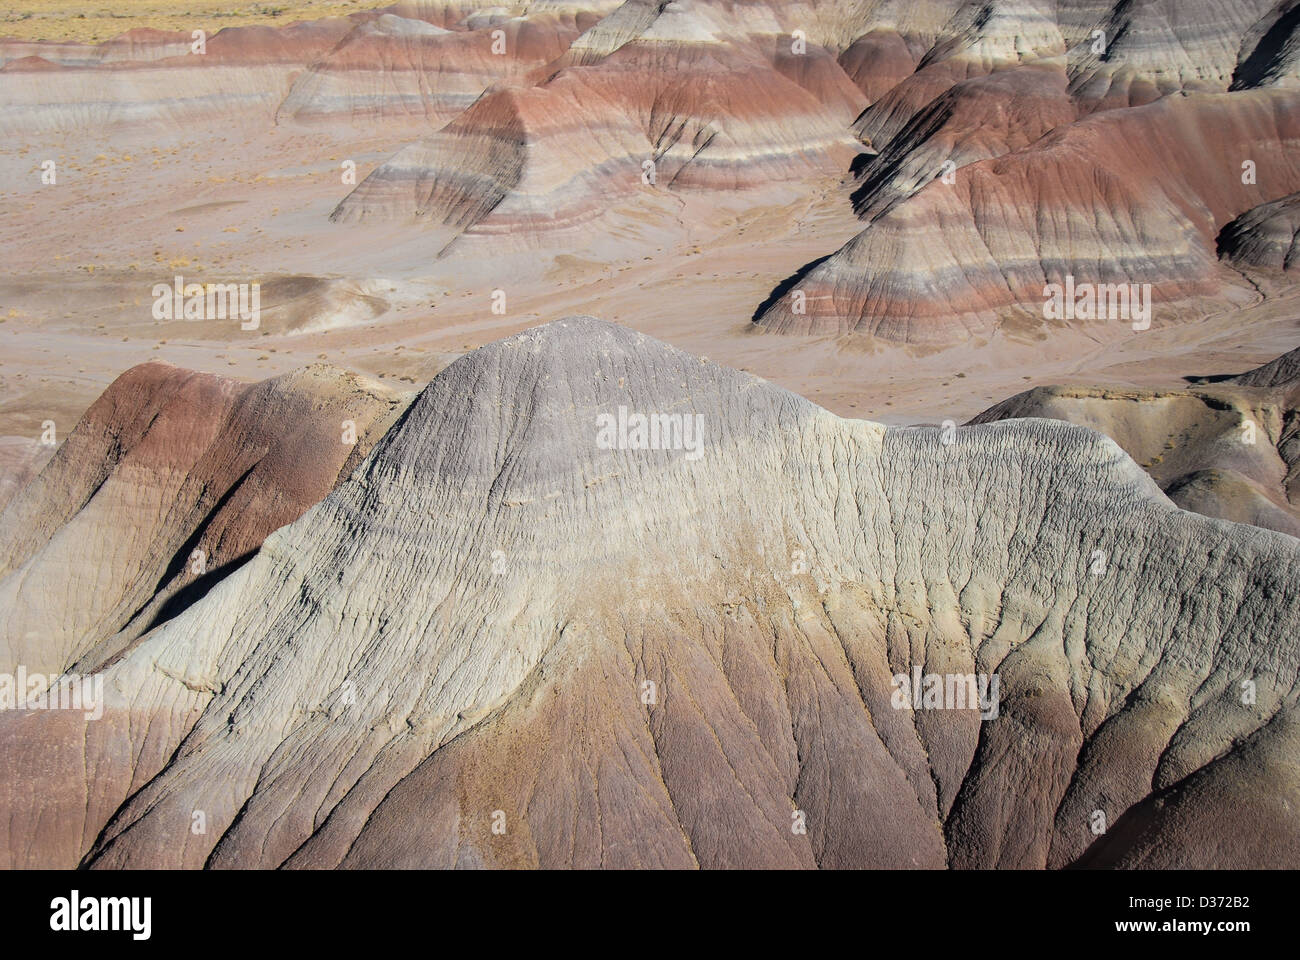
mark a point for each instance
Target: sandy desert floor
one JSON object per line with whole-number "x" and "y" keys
{"x": 501, "y": 583}
{"x": 92, "y": 22}
{"x": 128, "y": 210}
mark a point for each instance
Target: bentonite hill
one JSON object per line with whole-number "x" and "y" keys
{"x": 858, "y": 433}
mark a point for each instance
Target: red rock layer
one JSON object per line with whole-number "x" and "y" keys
{"x": 1134, "y": 196}
{"x": 101, "y": 544}
{"x": 401, "y": 66}
{"x": 707, "y": 116}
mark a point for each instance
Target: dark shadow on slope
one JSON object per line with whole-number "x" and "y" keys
{"x": 860, "y": 163}
{"x": 196, "y": 590}
{"x": 1254, "y": 69}
{"x": 1211, "y": 377}
{"x": 788, "y": 284}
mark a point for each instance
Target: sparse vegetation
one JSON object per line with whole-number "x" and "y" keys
{"x": 63, "y": 20}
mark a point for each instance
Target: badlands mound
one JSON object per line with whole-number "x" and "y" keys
{"x": 1228, "y": 449}
{"x": 986, "y": 149}
{"x": 1132, "y": 196}
{"x": 1264, "y": 236}
{"x": 519, "y": 636}
{"x": 1282, "y": 372}
{"x": 1030, "y": 142}
{"x": 692, "y": 88}
{"x": 169, "y": 482}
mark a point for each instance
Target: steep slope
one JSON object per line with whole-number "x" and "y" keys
{"x": 170, "y": 481}
{"x": 1282, "y": 372}
{"x": 1270, "y": 50}
{"x": 973, "y": 120}
{"x": 1125, "y": 197}
{"x": 978, "y": 40}
{"x": 1159, "y": 47}
{"x": 1229, "y": 450}
{"x": 688, "y": 93}
{"x": 394, "y": 66}
{"x": 508, "y": 641}
{"x": 1264, "y": 236}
